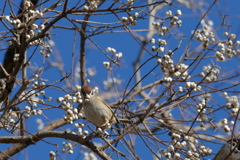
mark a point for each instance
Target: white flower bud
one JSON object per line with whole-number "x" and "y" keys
{"x": 85, "y": 132}
{"x": 47, "y": 55}
{"x": 226, "y": 128}
{"x": 27, "y": 115}
{"x": 28, "y": 36}
{"x": 180, "y": 89}
{"x": 233, "y": 36}
{"x": 124, "y": 19}
{"x": 154, "y": 48}
{"x": 76, "y": 125}
{"x": 179, "y": 13}
{"x": 34, "y": 26}
{"x": 152, "y": 41}
{"x": 9, "y": 43}
{"x": 85, "y": 8}
{"x": 49, "y": 99}
{"x": 224, "y": 121}
{"x": 159, "y": 60}
{"x": 39, "y": 112}
{"x": 232, "y": 122}
{"x": 169, "y": 13}
{"x": 42, "y": 26}
{"x": 161, "y": 49}
{"x": 31, "y": 32}
{"x": 136, "y": 14}
{"x": 60, "y": 99}
{"x": 52, "y": 154}
{"x": 70, "y": 151}
{"x": 225, "y": 34}
{"x": 160, "y": 34}
{"x": 27, "y": 108}
{"x": 99, "y": 130}
{"x": 176, "y": 156}
{"x": 63, "y": 150}
{"x": 8, "y": 18}
{"x": 106, "y": 64}
{"x": 119, "y": 55}
{"x": 171, "y": 148}
{"x": 81, "y": 124}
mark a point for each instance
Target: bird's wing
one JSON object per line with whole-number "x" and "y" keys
{"x": 113, "y": 115}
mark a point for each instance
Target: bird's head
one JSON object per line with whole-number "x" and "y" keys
{"x": 88, "y": 92}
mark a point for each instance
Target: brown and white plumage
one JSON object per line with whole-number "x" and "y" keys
{"x": 96, "y": 110}
{"x": 229, "y": 151}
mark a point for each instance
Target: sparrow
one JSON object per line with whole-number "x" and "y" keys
{"x": 96, "y": 110}
{"x": 229, "y": 151}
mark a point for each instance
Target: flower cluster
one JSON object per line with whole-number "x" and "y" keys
{"x": 205, "y": 35}
{"x": 132, "y": 19}
{"x": 68, "y": 147}
{"x": 30, "y": 112}
{"x": 161, "y": 43}
{"x": 46, "y": 50}
{"x": 193, "y": 86}
{"x": 71, "y": 115}
{"x": 180, "y": 142}
{"x": 29, "y": 13}
{"x": 176, "y": 144}
{"x": 82, "y": 133}
{"x": 204, "y": 151}
{"x": 10, "y": 120}
{"x": 67, "y": 102}
{"x": 170, "y": 70}
{"x": 16, "y": 57}
{"x": 210, "y": 73}
{"x": 117, "y": 56}
{"x": 162, "y": 29}
{"x": 67, "y": 105}
{"x": 166, "y": 65}
{"x": 174, "y": 20}
{"x": 226, "y": 124}
{"x": 193, "y": 152}
{"x": 200, "y": 107}
{"x": 37, "y": 85}
{"x": 107, "y": 65}
{"x": 232, "y": 103}
{"x": 16, "y": 22}
{"x": 91, "y": 5}
{"x": 182, "y": 70}
{"x": 226, "y": 49}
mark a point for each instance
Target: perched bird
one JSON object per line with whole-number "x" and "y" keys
{"x": 96, "y": 110}
{"x": 229, "y": 151}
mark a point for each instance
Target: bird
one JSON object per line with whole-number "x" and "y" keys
{"x": 96, "y": 110}
{"x": 229, "y": 151}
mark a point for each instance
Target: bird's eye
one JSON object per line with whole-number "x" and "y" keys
{"x": 234, "y": 144}
{"x": 237, "y": 149}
